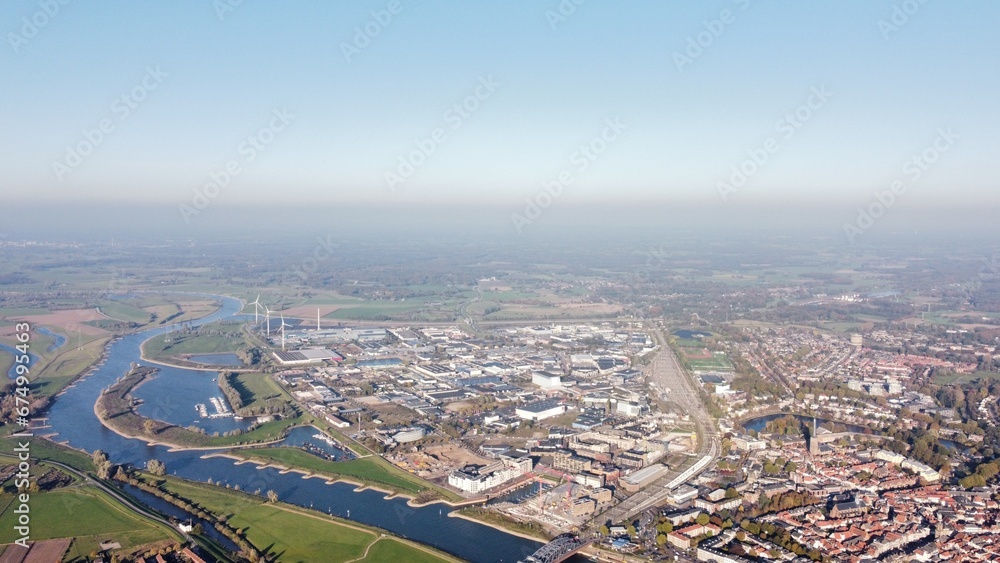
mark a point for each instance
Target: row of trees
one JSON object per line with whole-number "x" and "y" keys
{"x": 779, "y": 536}
{"x": 979, "y": 478}
{"x": 228, "y": 382}
{"x": 9, "y": 404}
{"x": 220, "y": 523}
{"x": 251, "y": 356}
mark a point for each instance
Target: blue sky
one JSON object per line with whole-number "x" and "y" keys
{"x": 555, "y": 88}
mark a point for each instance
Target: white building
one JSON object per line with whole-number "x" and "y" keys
{"x": 475, "y": 479}
{"x": 409, "y": 434}
{"x": 628, "y": 408}
{"x": 546, "y": 379}
{"x": 540, "y": 410}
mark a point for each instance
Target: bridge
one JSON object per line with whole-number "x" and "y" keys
{"x": 559, "y": 549}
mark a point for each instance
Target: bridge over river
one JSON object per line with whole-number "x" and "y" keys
{"x": 559, "y": 549}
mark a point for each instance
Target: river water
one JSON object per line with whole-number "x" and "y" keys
{"x": 172, "y": 394}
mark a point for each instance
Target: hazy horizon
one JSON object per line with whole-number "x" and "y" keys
{"x": 624, "y": 221}
{"x": 725, "y": 105}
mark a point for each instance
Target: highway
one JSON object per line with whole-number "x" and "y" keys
{"x": 667, "y": 378}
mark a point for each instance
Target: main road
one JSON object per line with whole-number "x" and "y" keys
{"x": 668, "y": 379}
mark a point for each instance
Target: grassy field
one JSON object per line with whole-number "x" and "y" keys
{"x": 54, "y": 369}
{"x": 392, "y": 550}
{"x": 213, "y": 338}
{"x": 294, "y": 537}
{"x": 713, "y": 363}
{"x": 42, "y": 449}
{"x": 126, "y": 313}
{"x": 373, "y": 471}
{"x": 84, "y": 513}
{"x": 258, "y": 387}
{"x": 295, "y": 534}
{"x": 953, "y": 378}
{"x": 378, "y": 310}
{"x": 69, "y": 362}
{"x": 258, "y": 393}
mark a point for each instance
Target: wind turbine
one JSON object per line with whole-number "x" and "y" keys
{"x": 283, "y": 325}
{"x": 256, "y": 308}
{"x": 267, "y": 319}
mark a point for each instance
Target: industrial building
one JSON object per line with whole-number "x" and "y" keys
{"x": 546, "y": 379}
{"x": 639, "y": 479}
{"x": 540, "y": 410}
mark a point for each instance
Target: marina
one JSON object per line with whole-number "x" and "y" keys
{"x": 219, "y": 404}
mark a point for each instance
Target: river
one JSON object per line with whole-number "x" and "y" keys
{"x": 176, "y": 390}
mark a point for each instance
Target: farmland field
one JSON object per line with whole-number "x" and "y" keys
{"x": 84, "y": 513}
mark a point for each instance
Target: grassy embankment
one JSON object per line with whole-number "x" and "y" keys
{"x": 372, "y": 471}
{"x": 53, "y": 369}
{"x": 177, "y": 347}
{"x": 114, "y": 408}
{"x": 44, "y": 450}
{"x": 291, "y": 533}
{"x": 255, "y": 394}
{"x": 502, "y": 521}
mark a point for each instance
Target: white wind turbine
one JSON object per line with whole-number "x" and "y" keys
{"x": 283, "y": 325}
{"x": 267, "y": 319}
{"x": 256, "y": 308}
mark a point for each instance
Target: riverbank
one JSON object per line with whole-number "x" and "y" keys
{"x": 115, "y": 411}
{"x": 504, "y": 524}
{"x": 193, "y": 366}
{"x": 293, "y": 532}
{"x": 179, "y": 448}
{"x": 175, "y": 349}
{"x": 366, "y": 473}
